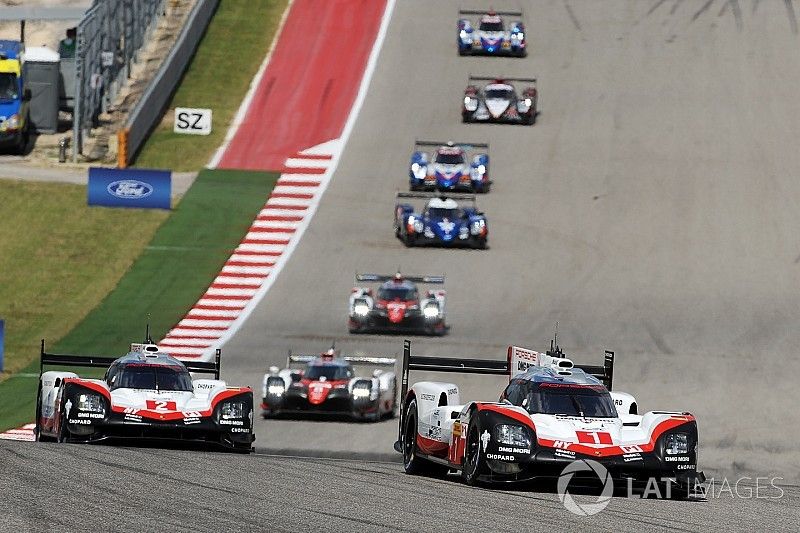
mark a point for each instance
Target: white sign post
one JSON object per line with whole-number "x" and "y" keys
{"x": 192, "y": 121}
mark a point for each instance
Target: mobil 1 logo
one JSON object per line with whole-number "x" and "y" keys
{"x": 194, "y": 121}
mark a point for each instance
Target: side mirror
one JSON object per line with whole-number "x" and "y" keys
{"x": 26, "y": 95}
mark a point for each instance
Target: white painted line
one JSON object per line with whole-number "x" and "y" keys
{"x": 244, "y": 107}
{"x": 199, "y": 343}
{"x": 246, "y": 270}
{"x": 262, "y": 248}
{"x": 188, "y": 350}
{"x": 280, "y": 224}
{"x": 184, "y": 332}
{"x": 216, "y": 302}
{"x": 334, "y": 147}
{"x": 194, "y": 312}
{"x": 204, "y": 323}
{"x": 276, "y": 211}
{"x": 231, "y": 292}
{"x": 286, "y": 179}
{"x": 294, "y": 189}
{"x": 294, "y": 202}
{"x": 252, "y": 258}
{"x": 228, "y": 280}
{"x": 306, "y": 163}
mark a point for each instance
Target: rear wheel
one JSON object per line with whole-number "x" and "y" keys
{"x": 474, "y": 464}
{"x": 413, "y": 464}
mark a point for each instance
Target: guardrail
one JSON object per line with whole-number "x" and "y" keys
{"x": 148, "y": 110}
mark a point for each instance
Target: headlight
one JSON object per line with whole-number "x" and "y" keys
{"x": 676, "y": 443}
{"x": 276, "y": 390}
{"x": 91, "y": 402}
{"x": 12, "y": 122}
{"x": 431, "y": 311}
{"x": 419, "y": 226}
{"x": 470, "y": 104}
{"x": 464, "y": 36}
{"x": 512, "y": 435}
{"x": 232, "y": 410}
{"x": 477, "y": 227}
{"x": 520, "y": 36}
{"x": 361, "y": 309}
{"x": 420, "y": 171}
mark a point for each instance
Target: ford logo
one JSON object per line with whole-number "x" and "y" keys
{"x": 130, "y": 189}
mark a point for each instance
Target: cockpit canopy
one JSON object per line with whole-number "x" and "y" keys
{"x": 557, "y": 398}
{"x": 149, "y": 376}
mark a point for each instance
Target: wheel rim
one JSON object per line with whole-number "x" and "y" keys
{"x": 472, "y": 452}
{"x": 409, "y": 441}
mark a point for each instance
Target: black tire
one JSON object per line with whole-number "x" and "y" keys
{"x": 474, "y": 464}
{"x": 480, "y": 244}
{"x": 63, "y": 432}
{"x": 37, "y": 430}
{"x": 412, "y": 464}
{"x": 407, "y": 240}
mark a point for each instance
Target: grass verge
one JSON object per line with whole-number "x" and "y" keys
{"x": 173, "y": 270}
{"x": 218, "y": 77}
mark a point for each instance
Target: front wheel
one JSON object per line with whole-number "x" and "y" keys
{"x": 412, "y": 464}
{"x": 474, "y": 463}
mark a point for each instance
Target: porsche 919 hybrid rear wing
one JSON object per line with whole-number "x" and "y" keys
{"x": 464, "y": 145}
{"x": 485, "y": 12}
{"x": 500, "y": 78}
{"x": 434, "y": 280}
{"x": 354, "y": 359}
{"x": 94, "y": 361}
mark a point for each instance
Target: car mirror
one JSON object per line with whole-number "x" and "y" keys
{"x": 26, "y": 95}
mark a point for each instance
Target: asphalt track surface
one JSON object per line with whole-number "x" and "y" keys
{"x": 651, "y": 210}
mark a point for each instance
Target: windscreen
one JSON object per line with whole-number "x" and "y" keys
{"x": 329, "y": 372}
{"x": 152, "y": 377}
{"x": 450, "y": 159}
{"x": 438, "y": 212}
{"x": 503, "y": 94}
{"x": 491, "y": 26}
{"x": 397, "y": 293}
{"x": 584, "y": 401}
{"x": 9, "y": 89}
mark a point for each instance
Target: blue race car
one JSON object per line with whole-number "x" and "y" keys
{"x": 443, "y": 221}
{"x": 491, "y": 36}
{"x": 449, "y": 167}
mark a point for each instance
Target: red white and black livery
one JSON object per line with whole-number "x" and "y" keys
{"x": 550, "y": 414}
{"x": 499, "y": 102}
{"x": 329, "y": 385}
{"x": 397, "y": 305}
{"x": 146, "y": 394}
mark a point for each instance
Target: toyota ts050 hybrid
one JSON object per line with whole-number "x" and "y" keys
{"x": 146, "y": 394}
{"x": 451, "y": 166}
{"x": 550, "y": 414}
{"x": 397, "y": 305}
{"x": 498, "y": 101}
{"x": 442, "y": 221}
{"x": 491, "y": 36}
{"x": 328, "y": 385}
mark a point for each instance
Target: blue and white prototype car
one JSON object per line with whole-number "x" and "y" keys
{"x": 443, "y": 221}
{"x": 450, "y": 166}
{"x": 491, "y": 37}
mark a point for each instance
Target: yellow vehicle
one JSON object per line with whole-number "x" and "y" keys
{"x": 14, "y": 99}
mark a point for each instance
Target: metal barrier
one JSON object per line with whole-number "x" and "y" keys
{"x": 109, "y": 36}
{"x": 148, "y": 110}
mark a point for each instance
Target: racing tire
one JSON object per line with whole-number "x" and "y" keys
{"x": 63, "y": 432}
{"x": 474, "y": 463}
{"x": 480, "y": 244}
{"x": 412, "y": 464}
{"x": 408, "y": 242}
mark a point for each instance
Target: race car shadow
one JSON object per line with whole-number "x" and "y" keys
{"x": 328, "y": 417}
{"x": 656, "y": 490}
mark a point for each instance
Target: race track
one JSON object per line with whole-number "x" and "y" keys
{"x": 651, "y": 210}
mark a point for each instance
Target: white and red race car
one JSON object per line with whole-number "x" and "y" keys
{"x": 147, "y": 395}
{"x": 550, "y": 414}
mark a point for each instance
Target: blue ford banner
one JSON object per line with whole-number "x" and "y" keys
{"x": 129, "y": 187}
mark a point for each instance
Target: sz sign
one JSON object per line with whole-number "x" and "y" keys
{"x": 192, "y": 121}
{"x": 130, "y": 187}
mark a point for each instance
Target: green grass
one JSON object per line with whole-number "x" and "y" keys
{"x": 172, "y": 272}
{"x": 218, "y": 77}
{"x": 58, "y": 259}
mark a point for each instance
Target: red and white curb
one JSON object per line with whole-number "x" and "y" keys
{"x": 259, "y": 257}
{"x": 24, "y": 433}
